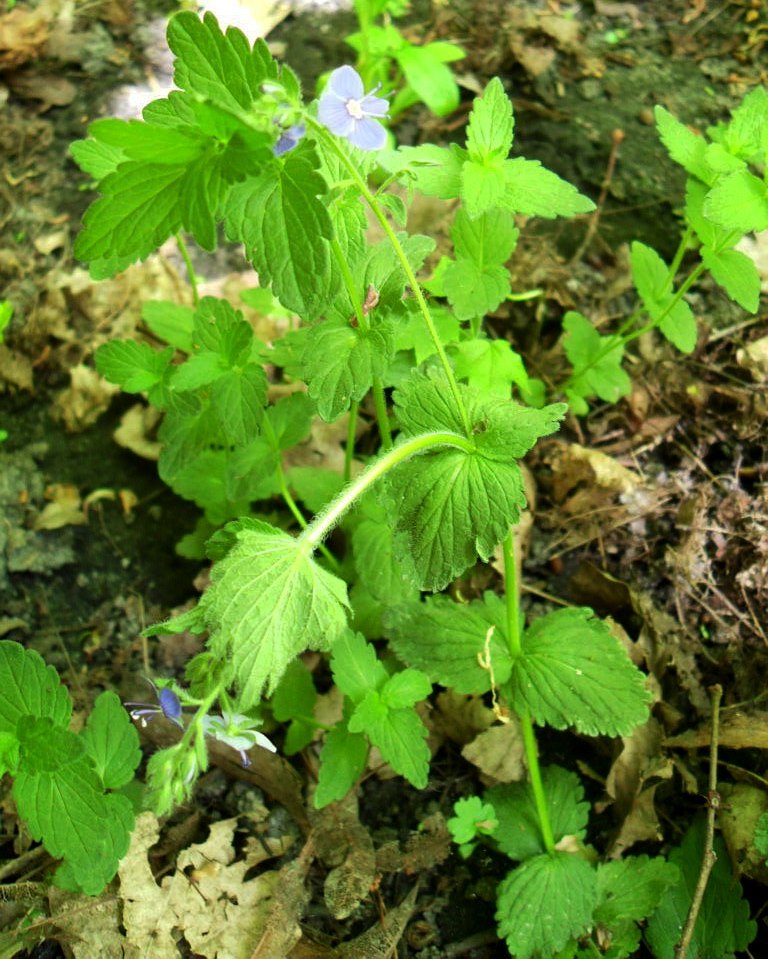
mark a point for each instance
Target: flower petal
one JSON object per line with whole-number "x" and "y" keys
{"x": 368, "y": 135}
{"x": 374, "y": 106}
{"x": 333, "y": 113}
{"x": 346, "y": 83}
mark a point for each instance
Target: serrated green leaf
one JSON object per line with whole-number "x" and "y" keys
{"x": 738, "y": 201}
{"x": 111, "y": 741}
{"x": 476, "y": 282}
{"x": 429, "y": 77}
{"x": 286, "y": 231}
{"x": 269, "y": 601}
{"x": 737, "y": 274}
{"x": 473, "y": 817}
{"x": 219, "y": 328}
{"x": 435, "y": 171}
{"x": 683, "y": 145}
{"x": 377, "y": 565}
{"x": 9, "y": 754}
{"x": 574, "y": 672}
{"x": 95, "y": 158}
{"x": 487, "y": 240}
{"x": 632, "y": 888}
{"x": 46, "y": 747}
{"x": 30, "y": 688}
{"x": 744, "y": 136}
{"x": 196, "y": 371}
{"x": 355, "y": 666}
{"x": 341, "y": 361}
{"x": 761, "y": 835}
{"x": 412, "y": 333}
{"x": 651, "y": 277}
{"x": 238, "y": 398}
{"x": 536, "y": 191}
{"x": 314, "y": 485}
{"x": 490, "y": 366}
{"x": 169, "y": 321}
{"x": 518, "y": 833}
{"x": 453, "y": 505}
{"x": 406, "y": 688}
{"x": 491, "y": 124}
{"x": 444, "y": 639}
{"x": 293, "y": 702}
{"x": 342, "y": 762}
{"x": 603, "y": 377}
{"x": 545, "y": 902}
{"x": 289, "y": 421}
{"x": 723, "y": 926}
{"x": 399, "y": 734}
{"x": 135, "y": 367}
{"x": 474, "y": 292}
{"x": 483, "y": 186}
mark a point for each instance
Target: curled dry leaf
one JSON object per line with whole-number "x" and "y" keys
{"x": 498, "y": 754}
{"x": 85, "y": 399}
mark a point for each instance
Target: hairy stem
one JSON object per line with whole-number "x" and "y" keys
{"x": 512, "y": 596}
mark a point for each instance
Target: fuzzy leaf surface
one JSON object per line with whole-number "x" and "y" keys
{"x": 30, "y": 688}
{"x": 490, "y": 366}
{"x": 399, "y": 734}
{"x": 737, "y": 274}
{"x": 574, "y": 672}
{"x": 594, "y": 375}
{"x": 739, "y": 201}
{"x": 491, "y": 124}
{"x": 134, "y": 366}
{"x": 632, "y": 888}
{"x": 535, "y": 191}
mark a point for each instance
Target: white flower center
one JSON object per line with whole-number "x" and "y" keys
{"x": 354, "y": 109}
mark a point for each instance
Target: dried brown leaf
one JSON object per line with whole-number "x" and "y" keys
{"x": 498, "y": 753}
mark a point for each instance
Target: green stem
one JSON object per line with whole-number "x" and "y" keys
{"x": 320, "y": 526}
{"x": 192, "y": 276}
{"x": 512, "y": 595}
{"x": 349, "y": 450}
{"x": 332, "y": 142}
{"x": 679, "y": 294}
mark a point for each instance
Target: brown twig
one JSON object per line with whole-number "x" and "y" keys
{"x": 617, "y": 136}
{"x": 709, "y": 857}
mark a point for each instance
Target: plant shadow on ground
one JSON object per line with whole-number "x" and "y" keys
{"x": 677, "y": 555}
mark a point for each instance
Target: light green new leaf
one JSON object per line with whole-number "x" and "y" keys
{"x": 147, "y": 141}
{"x": 269, "y": 601}
{"x": 111, "y": 741}
{"x": 574, "y": 672}
{"x": 544, "y": 903}
{"x": 399, "y": 734}
{"x": 198, "y": 370}
{"x": 536, "y": 191}
{"x": 473, "y": 818}
{"x": 66, "y": 808}
{"x": 216, "y": 66}
{"x": 651, "y": 277}
{"x": 341, "y": 361}
{"x": 603, "y": 377}
{"x": 723, "y": 926}
{"x": 435, "y": 171}
{"x": 737, "y": 274}
{"x": 476, "y": 282}
{"x": 238, "y": 397}
{"x": 488, "y": 240}
{"x": 170, "y": 322}
{"x": 745, "y": 135}
{"x": 290, "y": 420}
{"x": 483, "y": 186}
{"x": 683, "y": 145}
{"x": 444, "y": 639}
{"x": 342, "y": 763}
{"x": 30, "y": 688}
{"x": 491, "y": 124}
{"x": 134, "y": 366}
{"x": 474, "y": 292}
{"x": 429, "y": 77}
{"x": 406, "y": 688}
{"x": 738, "y": 201}
{"x": 490, "y": 366}
{"x": 9, "y": 754}
{"x": 286, "y": 231}
{"x": 632, "y": 888}
{"x": 518, "y": 833}
{"x": 453, "y": 505}
{"x": 95, "y": 158}
{"x": 412, "y": 333}
{"x": 356, "y": 667}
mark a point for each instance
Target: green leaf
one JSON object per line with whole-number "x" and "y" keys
{"x": 761, "y": 835}
{"x": 95, "y": 158}
{"x": 378, "y": 566}
{"x": 476, "y": 282}
{"x": 723, "y": 926}
{"x": 745, "y": 136}
{"x": 406, "y": 688}
{"x": 603, "y": 377}
{"x": 355, "y": 666}
{"x": 483, "y": 186}
{"x": 574, "y": 672}
{"x": 738, "y": 201}
{"x": 290, "y": 420}
{"x": 340, "y": 363}
{"x": 342, "y": 762}
{"x": 452, "y": 505}
{"x": 9, "y": 754}
{"x": 490, "y": 366}
{"x": 737, "y": 274}
{"x": 286, "y": 231}
{"x": 412, "y": 333}
{"x": 683, "y": 145}
{"x": 544, "y": 903}
{"x": 314, "y": 485}
{"x": 238, "y": 400}
{"x": 170, "y": 322}
{"x": 487, "y": 240}
{"x": 651, "y": 277}
{"x": 518, "y": 833}
{"x": 473, "y": 818}
{"x": 536, "y": 191}
{"x": 269, "y": 601}
{"x": 429, "y": 77}
{"x": 66, "y": 808}
{"x": 632, "y": 888}
{"x": 399, "y": 735}
{"x": 111, "y": 741}
{"x": 491, "y": 124}
{"x": 136, "y": 367}
{"x": 30, "y": 688}
{"x": 293, "y": 702}
{"x": 435, "y": 171}
{"x": 444, "y": 639}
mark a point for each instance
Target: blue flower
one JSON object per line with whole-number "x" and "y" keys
{"x": 169, "y": 706}
{"x": 347, "y": 110}
{"x": 236, "y": 731}
{"x": 288, "y": 139}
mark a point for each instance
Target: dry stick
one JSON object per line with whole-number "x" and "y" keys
{"x": 709, "y": 858}
{"x": 616, "y": 139}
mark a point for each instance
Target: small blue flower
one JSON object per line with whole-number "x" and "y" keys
{"x": 169, "y": 706}
{"x": 288, "y": 139}
{"x": 236, "y": 731}
{"x": 348, "y": 111}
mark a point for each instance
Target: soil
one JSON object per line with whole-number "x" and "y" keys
{"x": 681, "y": 557}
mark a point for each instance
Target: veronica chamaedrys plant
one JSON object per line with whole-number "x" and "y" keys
{"x": 351, "y": 113}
